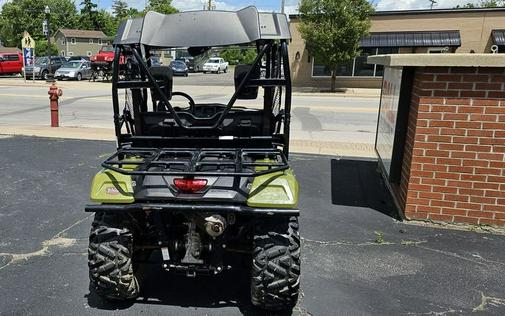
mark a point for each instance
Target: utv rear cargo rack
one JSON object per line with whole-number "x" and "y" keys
{"x": 196, "y": 162}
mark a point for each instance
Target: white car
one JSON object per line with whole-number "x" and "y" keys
{"x": 215, "y": 65}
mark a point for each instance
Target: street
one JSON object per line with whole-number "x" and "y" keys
{"x": 321, "y": 123}
{"x": 355, "y": 261}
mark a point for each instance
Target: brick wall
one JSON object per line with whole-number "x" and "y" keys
{"x": 454, "y": 162}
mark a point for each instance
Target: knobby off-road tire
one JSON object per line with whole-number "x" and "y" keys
{"x": 275, "y": 278}
{"x": 110, "y": 255}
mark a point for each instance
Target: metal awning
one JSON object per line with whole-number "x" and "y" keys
{"x": 412, "y": 39}
{"x": 499, "y": 37}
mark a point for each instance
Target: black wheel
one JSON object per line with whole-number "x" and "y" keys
{"x": 225, "y": 70}
{"x": 44, "y": 74}
{"x": 79, "y": 77}
{"x": 110, "y": 254}
{"x": 275, "y": 276}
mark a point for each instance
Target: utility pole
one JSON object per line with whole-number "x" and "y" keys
{"x": 283, "y": 3}
{"x": 433, "y": 2}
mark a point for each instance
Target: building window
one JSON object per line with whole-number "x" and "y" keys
{"x": 89, "y": 53}
{"x": 70, "y": 54}
{"x": 91, "y": 41}
{"x": 72, "y": 40}
{"x": 63, "y": 41}
{"x": 100, "y": 41}
{"x": 361, "y": 68}
{"x": 358, "y": 67}
{"x": 63, "y": 53}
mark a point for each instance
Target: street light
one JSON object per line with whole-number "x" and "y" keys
{"x": 47, "y": 10}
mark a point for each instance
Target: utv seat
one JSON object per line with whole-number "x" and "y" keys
{"x": 241, "y": 122}
{"x": 238, "y": 122}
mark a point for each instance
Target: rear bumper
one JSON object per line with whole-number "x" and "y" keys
{"x": 65, "y": 76}
{"x": 179, "y": 207}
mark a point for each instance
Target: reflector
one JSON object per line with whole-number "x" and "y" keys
{"x": 190, "y": 185}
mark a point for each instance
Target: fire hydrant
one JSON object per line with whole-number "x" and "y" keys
{"x": 54, "y": 95}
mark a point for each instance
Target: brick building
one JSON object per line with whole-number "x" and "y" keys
{"x": 415, "y": 31}
{"x": 452, "y": 161}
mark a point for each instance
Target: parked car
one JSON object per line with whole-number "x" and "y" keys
{"x": 179, "y": 68}
{"x": 41, "y": 67}
{"x": 101, "y": 63}
{"x": 11, "y": 63}
{"x": 75, "y": 69}
{"x": 71, "y": 58}
{"x": 155, "y": 61}
{"x": 216, "y": 65}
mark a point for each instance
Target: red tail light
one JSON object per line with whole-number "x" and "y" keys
{"x": 190, "y": 185}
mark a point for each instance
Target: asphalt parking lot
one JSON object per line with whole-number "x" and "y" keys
{"x": 356, "y": 261}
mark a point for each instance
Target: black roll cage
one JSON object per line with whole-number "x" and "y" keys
{"x": 275, "y": 53}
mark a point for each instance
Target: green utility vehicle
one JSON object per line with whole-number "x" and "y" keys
{"x": 195, "y": 186}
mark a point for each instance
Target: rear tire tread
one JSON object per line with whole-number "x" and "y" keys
{"x": 275, "y": 278}
{"x": 110, "y": 258}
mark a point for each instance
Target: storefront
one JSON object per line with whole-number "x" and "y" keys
{"x": 418, "y": 31}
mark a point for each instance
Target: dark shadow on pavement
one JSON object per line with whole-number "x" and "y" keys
{"x": 229, "y": 289}
{"x": 357, "y": 182}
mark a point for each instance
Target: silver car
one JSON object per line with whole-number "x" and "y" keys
{"x": 75, "y": 69}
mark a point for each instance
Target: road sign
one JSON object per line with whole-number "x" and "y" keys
{"x": 28, "y": 55}
{"x": 27, "y": 41}
{"x": 28, "y": 45}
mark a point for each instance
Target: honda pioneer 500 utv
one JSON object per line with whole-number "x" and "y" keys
{"x": 193, "y": 186}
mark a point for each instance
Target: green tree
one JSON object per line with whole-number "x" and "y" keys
{"x": 88, "y": 17}
{"x": 161, "y": 6}
{"x": 27, "y": 15}
{"x": 492, "y": 3}
{"x": 107, "y": 23}
{"x": 237, "y": 55}
{"x": 483, "y": 4}
{"x": 132, "y": 12}
{"x": 120, "y": 9}
{"x": 332, "y": 30}
{"x": 41, "y": 49}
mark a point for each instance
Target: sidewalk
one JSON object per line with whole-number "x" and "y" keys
{"x": 340, "y": 93}
{"x": 348, "y": 149}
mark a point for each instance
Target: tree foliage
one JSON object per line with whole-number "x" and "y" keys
{"x": 484, "y": 4}
{"x": 237, "y": 55}
{"x": 161, "y": 6}
{"x": 41, "y": 49}
{"x": 27, "y": 15}
{"x": 18, "y": 16}
{"x": 120, "y": 9}
{"x": 89, "y": 15}
{"x": 332, "y": 29}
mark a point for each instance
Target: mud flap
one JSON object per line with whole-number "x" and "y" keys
{"x": 358, "y": 182}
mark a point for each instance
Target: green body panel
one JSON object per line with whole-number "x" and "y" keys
{"x": 112, "y": 187}
{"x": 274, "y": 190}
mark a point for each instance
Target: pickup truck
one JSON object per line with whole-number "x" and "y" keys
{"x": 215, "y": 65}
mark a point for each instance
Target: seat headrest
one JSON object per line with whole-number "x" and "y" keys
{"x": 166, "y": 75}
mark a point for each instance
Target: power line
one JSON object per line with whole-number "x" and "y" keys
{"x": 433, "y": 2}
